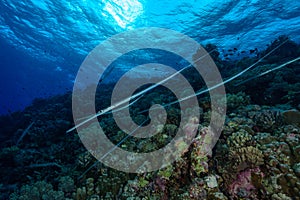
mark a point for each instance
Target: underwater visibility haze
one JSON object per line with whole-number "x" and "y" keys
{"x": 44, "y": 42}
{"x": 48, "y": 130}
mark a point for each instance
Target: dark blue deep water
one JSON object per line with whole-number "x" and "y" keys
{"x": 43, "y": 44}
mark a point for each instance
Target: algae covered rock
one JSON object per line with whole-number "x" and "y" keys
{"x": 217, "y": 196}
{"x": 292, "y": 117}
{"x": 281, "y": 196}
{"x": 296, "y": 169}
{"x": 66, "y": 184}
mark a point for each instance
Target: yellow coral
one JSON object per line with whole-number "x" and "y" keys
{"x": 246, "y": 157}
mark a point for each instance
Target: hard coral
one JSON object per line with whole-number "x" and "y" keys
{"x": 38, "y": 190}
{"x": 246, "y": 157}
{"x": 244, "y": 185}
{"x": 267, "y": 120}
{"x": 239, "y": 139}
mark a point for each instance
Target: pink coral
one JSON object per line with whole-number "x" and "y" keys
{"x": 243, "y": 185}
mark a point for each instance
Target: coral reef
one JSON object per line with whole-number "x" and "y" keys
{"x": 38, "y": 190}
{"x": 236, "y": 100}
{"x": 244, "y": 186}
{"x": 292, "y": 117}
{"x": 239, "y": 139}
{"x": 257, "y": 155}
{"x": 252, "y": 160}
{"x": 266, "y": 120}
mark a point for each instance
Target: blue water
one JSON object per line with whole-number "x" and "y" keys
{"x": 44, "y": 42}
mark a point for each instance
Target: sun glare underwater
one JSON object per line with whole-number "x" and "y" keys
{"x": 144, "y": 99}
